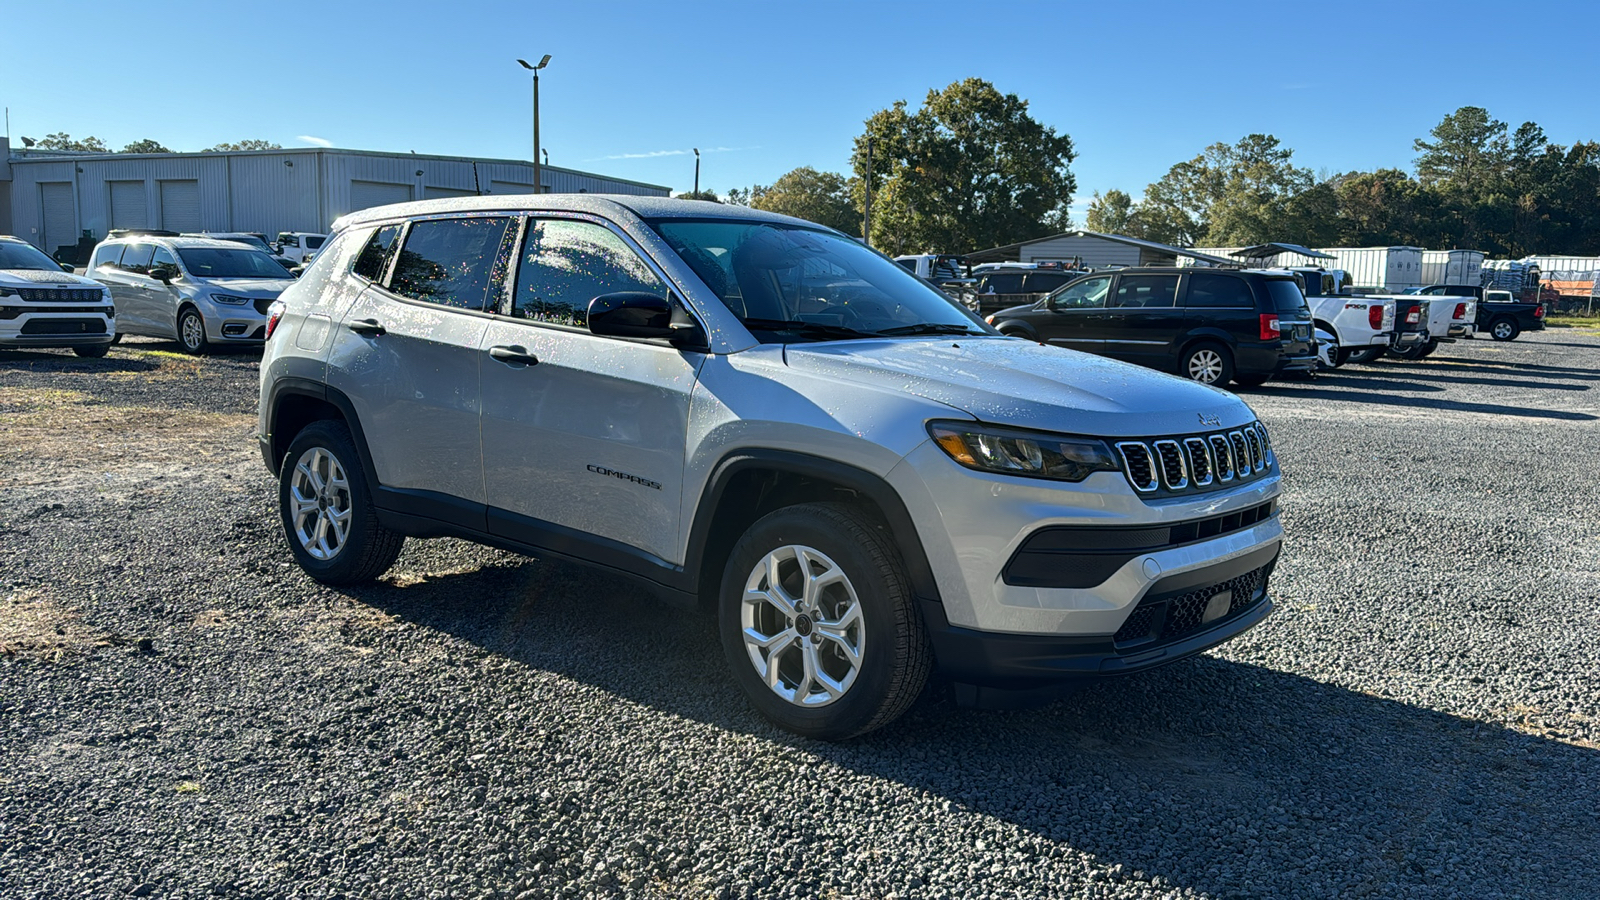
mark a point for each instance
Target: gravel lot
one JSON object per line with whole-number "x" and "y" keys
{"x": 183, "y": 714}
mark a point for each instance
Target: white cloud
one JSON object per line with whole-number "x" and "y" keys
{"x": 652, "y": 154}
{"x": 313, "y": 139}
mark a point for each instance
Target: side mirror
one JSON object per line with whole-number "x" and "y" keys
{"x": 634, "y": 314}
{"x": 163, "y": 273}
{"x": 65, "y": 267}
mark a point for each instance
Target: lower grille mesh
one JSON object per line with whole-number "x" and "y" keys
{"x": 1159, "y": 621}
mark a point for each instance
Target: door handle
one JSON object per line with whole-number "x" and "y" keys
{"x": 367, "y": 327}
{"x": 514, "y": 356}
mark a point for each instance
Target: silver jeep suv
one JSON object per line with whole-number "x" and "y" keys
{"x": 760, "y": 414}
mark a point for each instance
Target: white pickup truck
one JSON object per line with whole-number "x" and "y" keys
{"x": 1449, "y": 319}
{"x": 1359, "y": 326}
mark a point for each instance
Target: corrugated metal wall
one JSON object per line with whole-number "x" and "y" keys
{"x": 1092, "y": 250}
{"x": 267, "y": 192}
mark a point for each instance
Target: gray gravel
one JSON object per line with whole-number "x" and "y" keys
{"x": 183, "y": 714}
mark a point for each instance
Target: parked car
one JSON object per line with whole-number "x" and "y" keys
{"x": 1445, "y": 320}
{"x": 250, "y": 238}
{"x": 759, "y": 413}
{"x": 1359, "y": 328}
{"x": 295, "y": 246}
{"x": 1002, "y": 287}
{"x": 42, "y": 304}
{"x": 198, "y": 291}
{"x": 1211, "y": 325}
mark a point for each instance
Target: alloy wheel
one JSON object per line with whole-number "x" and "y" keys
{"x": 320, "y": 503}
{"x": 1205, "y": 366}
{"x": 194, "y": 332}
{"x": 803, "y": 627}
{"x": 1502, "y": 330}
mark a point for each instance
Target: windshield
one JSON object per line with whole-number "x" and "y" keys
{"x": 788, "y": 283}
{"x": 25, "y": 256}
{"x": 255, "y": 242}
{"x": 1286, "y": 297}
{"x": 215, "y": 262}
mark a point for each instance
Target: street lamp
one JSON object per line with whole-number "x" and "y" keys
{"x": 538, "y": 181}
{"x": 697, "y": 173}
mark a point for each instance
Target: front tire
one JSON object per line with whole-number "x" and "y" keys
{"x": 1504, "y": 329}
{"x": 192, "y": 331}
{"x": 818, "y": 623}
{"x": 92, "y": 351}
{"x": 327, "y": 512}
{"x": 1208, "y": 364}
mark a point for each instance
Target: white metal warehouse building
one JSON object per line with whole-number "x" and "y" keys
{"x": 55, "y": 198}
{"x": 1091, "y": 248}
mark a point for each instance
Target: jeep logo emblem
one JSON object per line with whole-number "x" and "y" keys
{"x": 1210, "y": 421}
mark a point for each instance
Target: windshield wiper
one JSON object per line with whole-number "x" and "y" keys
{"x": 808, "y": 328}
{"x": 931, "y": 328}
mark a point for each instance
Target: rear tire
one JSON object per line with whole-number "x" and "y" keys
{"x": 1207, "y": 363}
{"x": 1429, "y": 348}
{"x": 818, "y": 622}
{"x": 1366, "y": 355}
{"x": 1504, "y": 329}
{"x": 1415, "y": 351}
{"x": 326, "y": 508}
{"x": 93, "y": 351}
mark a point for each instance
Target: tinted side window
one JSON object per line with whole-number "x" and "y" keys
{"x": 1287, "y": 297}
{"x": 374, "y": 258}
{"x": 567, "y": 264}
{"x": 137, "y": 258}
{"x": 1044, "y": 282}
{"x": 1224, "y": 291}
{"x": 108, "y": 255}
{"x": 451, "y": 262}
{"x": 314, "y": 243}
{"x": 1146, "y": 291}
{"x": 1089, "y": 293}
{"x": 910, "y": 265}
{"x": 163, "y": 257}
{"x": 1008, "y": 283}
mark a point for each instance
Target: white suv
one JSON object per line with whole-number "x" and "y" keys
{"x": 42, "y": 304}
{"x": 757, "y": 413}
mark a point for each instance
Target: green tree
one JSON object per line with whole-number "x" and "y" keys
{"x": 805, "y": 193}
{"x": 251, "y": 144}
{"x": 700, "y": 195}
{"x": 1114, "y": 212}
{"x": 1239, "y": 193}
{"x": 63, "y": 141}
{"x": 1469, "y": 149}
{"x": 144, "y": 146}
{"x": 970, "y": 169}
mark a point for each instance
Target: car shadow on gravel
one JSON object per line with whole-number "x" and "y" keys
{"x": 1410, "y": 401}
{"x": 1499, "y": 367}
{"x": 1226, "y": 778}
{"x": 37, "y": 361}
{"x": 1405, "y": 379}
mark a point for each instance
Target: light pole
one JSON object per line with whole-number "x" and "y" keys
{"x": 866, "y": 229}
{"x": 538, "y": 180}
{"x": 697, "y": 173}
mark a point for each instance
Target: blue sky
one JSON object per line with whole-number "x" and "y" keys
{"x": 763, "y": 87}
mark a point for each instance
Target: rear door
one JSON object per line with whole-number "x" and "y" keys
{"x": 588, "y": 441}
{"x": 1222, "y": 306}
{"x": 130, "y": 292}
{"x": 1075, "y": 317}
{"x": 406, "y": 354}
{"x": 1143, "y": 319}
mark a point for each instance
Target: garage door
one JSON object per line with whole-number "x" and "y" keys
{"x": 374, "y": 193}
{"x": 509, "y": 187}
{"x": 434, "y": 193}
{"x": 60, "y": 225}
{"x": 180, "y": 205}
{"x": 128, "y": 206}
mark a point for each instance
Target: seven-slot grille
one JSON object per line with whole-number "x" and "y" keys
{"x": 1195, "y": 462}
{"x": 62, "y": 295}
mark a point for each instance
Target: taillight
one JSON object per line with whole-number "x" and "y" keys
{"x": 1375, "y": 317}
{"x": 274, "y": 313}
{"x": 1461, "y": 311}
{"x": 1413, "y": 315}
{"x": 1269, "y": 327}
{"x": 1538, "y": 311}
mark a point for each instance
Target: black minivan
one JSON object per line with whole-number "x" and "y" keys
{"x": 1211, "y": 325}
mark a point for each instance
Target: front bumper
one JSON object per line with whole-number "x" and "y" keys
{"x": 56, "y": 326}
{"x": 1166, "y": 627}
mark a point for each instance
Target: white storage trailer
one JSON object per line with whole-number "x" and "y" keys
{"x": 1451, "y": 266}
{"x": 1379, "y": 269}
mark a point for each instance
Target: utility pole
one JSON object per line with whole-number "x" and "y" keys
{"x": 538, "y": 177}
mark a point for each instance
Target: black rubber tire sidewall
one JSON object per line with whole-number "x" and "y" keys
{"x": 94, "y": 351}
{"x": 1227, "y": 363}
{"x": 1367, "y": 355}
{"x": 892, "y": 626}
{"x": 191, "y": 311}
{"x": 369, "y": 548}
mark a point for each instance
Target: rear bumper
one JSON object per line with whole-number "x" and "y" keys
{"x": 1027, "y": 662}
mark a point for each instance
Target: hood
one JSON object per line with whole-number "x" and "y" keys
{"x": 42, "y": 278}
{"x": 249, "y": 287}
{"x": 1006, "y": 381}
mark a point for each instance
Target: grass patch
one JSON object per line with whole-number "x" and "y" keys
{"x": 1572, "y": 322}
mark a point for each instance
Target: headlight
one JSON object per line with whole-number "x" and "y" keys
{"x": 1030, "y": 454}
{"x": 231, "y": 300}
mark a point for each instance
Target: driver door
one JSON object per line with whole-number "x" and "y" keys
{"x": 1077, "y": 317}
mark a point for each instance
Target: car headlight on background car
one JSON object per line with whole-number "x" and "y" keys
{"x": 1008, "y": 451}
{"x": 230, "y": 300}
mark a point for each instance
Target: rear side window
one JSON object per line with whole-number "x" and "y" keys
{"x": 451, "y": 262}
{"x": 1146, "y": 291}
{"x": 1287, "y": 298}
{"x": 1044, "y": 282}
{"x": 567, "y": 264}
{"x": 137, "y": 258}
{"x": 1221, "y": 291}
{"x": 1009, "y": 283}
{"x": 108, "y": 255}
{"x": 375, "y": 256}
{"x": 314, "y": 243}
